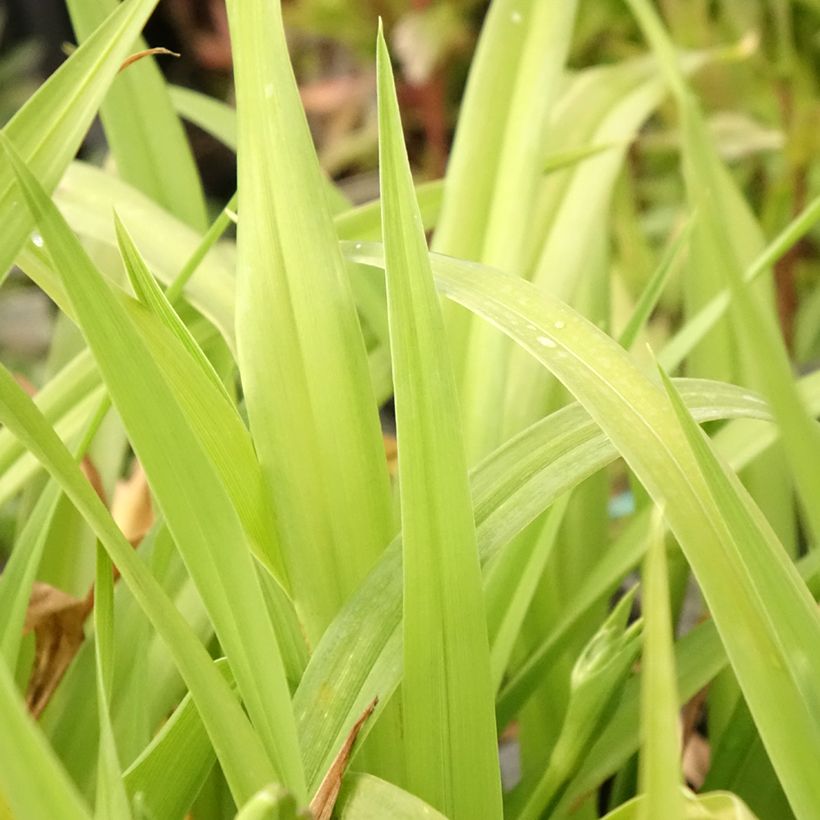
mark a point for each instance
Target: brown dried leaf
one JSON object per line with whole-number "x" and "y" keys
{"x": 148, "y": 52}
{"x": 57, "y": 621}
{"x": 325, "y": 798}
{"x": 131, "y": 505}
{"x": 391, "y": 452}
{"x": 94, "y": 479}
{"x": 696, "y": 760}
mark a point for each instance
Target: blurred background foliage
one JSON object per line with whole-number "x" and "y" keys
{"x": 763, "y": 109}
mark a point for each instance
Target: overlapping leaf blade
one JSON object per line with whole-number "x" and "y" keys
{"x": 142, "y": 128}
{"x": 301, "y": 353}
{"x": 187, "y": 486}
{"x": 49, "y": 128}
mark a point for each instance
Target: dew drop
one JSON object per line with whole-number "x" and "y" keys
{"x": 268, "y": 90}
{"x": 37, "y": 240}
{"x": 516, "y": 17}
{"x": 545, "y": 341}
{"x": 560, "y": 324}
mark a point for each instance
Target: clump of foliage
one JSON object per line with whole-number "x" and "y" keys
{"x": 307, "y": 628}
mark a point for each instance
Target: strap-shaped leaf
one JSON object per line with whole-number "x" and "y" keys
{"x": 31, "y": 779}
{"x": 447, "y": 693}
{"x": 301, "y": 352}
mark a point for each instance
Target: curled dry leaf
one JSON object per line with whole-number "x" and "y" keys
{"x": 325, "y": 798}
{"x": 57, "y": 621}
{"x": 148, "y": 52}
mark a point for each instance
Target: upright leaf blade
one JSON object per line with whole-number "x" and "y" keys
{"x": 301, "y": 353}
{"x": 31, "y": 779}
{"x": 660, "y": 756}
{"x": 449, "y": 731}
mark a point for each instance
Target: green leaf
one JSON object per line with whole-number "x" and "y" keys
{"x": 596, "y": 684}
{"x": 711, "y": 806}
{"x": 87, "y": 196}
{"x": 365, "y": 797}
{"x": 660, "y": 774}
{"x": 65, "y": 401}
{"x": 219, "y": 120}
{"x": 185, "y": 481}
{"x": 447, "y": 696}
{"x": 792, "y": 732}
{"x": 22, "y": 566}
{"x": 360, "y": 655}
{"x": 31, "y": 778}
{"x": 272, "y": 803}
{"x": 512, "y": 583}
{"x": 696, "y": 327}
{"x": 654, "y": 287}
{"x": 112, "y": 800}
{"x": 48, "y": 129}
{"x": 238, "y": 748}
{"x": 480, "y": 357}
{"x": 148, "y": 292}
{"x": 154, "y": 781}
{"x": 739, "y": 564}
{"x": 699, "y": 657}
{"x": 319, "y": 441}
{"x": 559, "y": 160}
{"x": 712, "y": 191}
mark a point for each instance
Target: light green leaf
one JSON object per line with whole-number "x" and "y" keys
{"x": 696, "y": 327}
{"x": 447, "y": 696}
{"x": 654, "y": 287}
{"x": 31, "y": 779}
{"x": 712, "y": 191}
{"x": 711, "y": 806}
{"x": 511, "y": 584}
{"x": 240, "y": 752}
{"x": 319, "y": 440}
{"x": 559, "y": 160}
{"x": 273, "y": 803}
{"x": 219, "y": 120}
{"x": 742, "y": 523}
{"x": 154, "y": 781}
{"x": 596, "y": 683}
{"x": 111, "y": 801}
{"x": 660, "y": 772}
{"x": 148, "y": 292}
{"x": 365, "y": 797}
